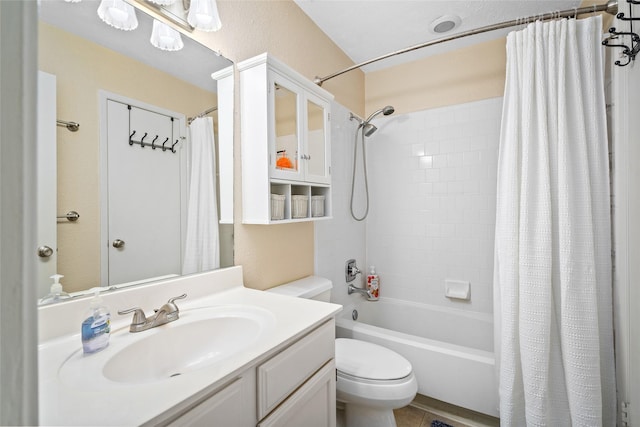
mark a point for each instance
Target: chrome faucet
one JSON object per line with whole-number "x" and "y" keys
{"x": 165, "y": 314}
{"x": 366, "y": 292}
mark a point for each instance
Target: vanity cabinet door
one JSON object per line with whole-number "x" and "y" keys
{"x": 227, "y": 407}
{"x": 312, "y": 405}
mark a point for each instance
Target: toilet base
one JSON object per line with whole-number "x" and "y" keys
{"x": 367, "y": 416}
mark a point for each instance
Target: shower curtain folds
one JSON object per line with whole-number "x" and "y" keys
{"x": 202, "y": 242}
{"x": 552, "y": 275}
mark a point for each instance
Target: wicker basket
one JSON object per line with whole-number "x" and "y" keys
{"x": 317, "y": 206}
{"x": 277, "y": 206}
{"x": 299, "y": 206}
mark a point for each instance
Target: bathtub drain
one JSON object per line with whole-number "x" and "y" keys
{"x": 354, "y": 314}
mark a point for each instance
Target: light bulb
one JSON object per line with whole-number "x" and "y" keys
{"x": 118, "y": 14}
{"x": 203, "y": 15}
{"x": 164, "y": 37}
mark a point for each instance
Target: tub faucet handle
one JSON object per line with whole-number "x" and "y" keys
{"x": 351, "y": 270}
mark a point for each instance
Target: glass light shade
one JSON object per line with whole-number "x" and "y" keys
{"x": 164, "y": 37}
{"x": 203, "y": 15}
{"x": 118, "y": 14}
{"x": 72, "y": 1}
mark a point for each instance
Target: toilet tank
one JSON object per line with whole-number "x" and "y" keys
{"x": 311, "y": 287}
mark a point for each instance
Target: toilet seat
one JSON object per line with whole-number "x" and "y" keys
{"x": 368, "y": 361}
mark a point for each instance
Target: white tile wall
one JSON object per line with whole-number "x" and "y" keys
{"x": 340, "y": 238}
{"x": 432, "y": 183}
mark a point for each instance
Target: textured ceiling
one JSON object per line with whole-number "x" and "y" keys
{"x": 365, "y": 29}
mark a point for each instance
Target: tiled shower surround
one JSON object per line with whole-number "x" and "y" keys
{"x": 432, "y": 185}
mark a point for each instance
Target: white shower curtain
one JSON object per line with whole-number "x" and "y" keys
{"x": 552, "y": 276}
{"x": 202, "y": 242}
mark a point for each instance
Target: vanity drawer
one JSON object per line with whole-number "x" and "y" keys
{"x": 283, "y": 373}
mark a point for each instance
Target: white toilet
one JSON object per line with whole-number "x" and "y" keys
{"x": 372, "y": 380}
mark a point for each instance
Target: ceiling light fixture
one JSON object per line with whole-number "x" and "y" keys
{"x": 164, "y": 37}
{"x": 118, "y": 14}
{"x": 203, "y": 15}
{"x": 444, "y": 24}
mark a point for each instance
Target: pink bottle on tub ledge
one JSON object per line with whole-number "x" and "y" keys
{"x": 373, "y": 283}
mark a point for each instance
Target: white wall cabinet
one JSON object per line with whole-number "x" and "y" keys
{"x": 286, "y": 143}
{"x": 294, "y": 387}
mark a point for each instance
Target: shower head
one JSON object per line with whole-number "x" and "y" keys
{"x": 386, "y": 111}
{"x": 369, "y": 129}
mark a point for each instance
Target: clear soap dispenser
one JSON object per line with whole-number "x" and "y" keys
{"x": 56, "y": 293}
{"x": 96, "y": 327}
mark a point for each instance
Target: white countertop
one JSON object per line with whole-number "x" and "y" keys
{"x": 104, "y": 402}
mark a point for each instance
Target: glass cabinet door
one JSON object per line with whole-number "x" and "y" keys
{"x": 287, "y": 139}
{"x": 315, "y": 155}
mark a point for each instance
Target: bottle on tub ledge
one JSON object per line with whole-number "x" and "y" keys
{"x": 373, "y": 283}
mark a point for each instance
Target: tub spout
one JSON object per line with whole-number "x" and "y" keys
{"x": 366, "y": 292}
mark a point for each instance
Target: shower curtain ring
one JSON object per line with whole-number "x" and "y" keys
{"x": 131, "y": 136}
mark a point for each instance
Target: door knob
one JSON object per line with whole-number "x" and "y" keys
{"x": 45, "y": 251}
{"x": 118, "y": 243}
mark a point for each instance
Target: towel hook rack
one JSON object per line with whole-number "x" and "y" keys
{"x": 629, "y": 52}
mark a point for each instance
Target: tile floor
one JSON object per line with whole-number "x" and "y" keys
{"x": 410, "y": 416}
{"x": 423, "y": 411}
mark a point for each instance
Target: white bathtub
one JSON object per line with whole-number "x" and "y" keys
{"x": 451, "y": 350}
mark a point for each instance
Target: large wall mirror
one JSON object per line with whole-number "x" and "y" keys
{"x": 89, "y": 63}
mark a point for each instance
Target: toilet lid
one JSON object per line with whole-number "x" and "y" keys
{"x": 366, "y": 360}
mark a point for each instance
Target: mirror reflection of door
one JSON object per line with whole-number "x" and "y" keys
{"x": 145, "y": 205}
{"x": 46, "y": 182}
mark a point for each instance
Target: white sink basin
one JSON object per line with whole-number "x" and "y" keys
{"x": 199, "y": 338}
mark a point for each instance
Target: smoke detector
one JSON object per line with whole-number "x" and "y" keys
{"x": 444, "y": 24}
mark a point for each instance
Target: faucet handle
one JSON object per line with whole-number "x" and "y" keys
{"x": 170, "y": 306}
{"x": 138, "y": 315}
{"x": 171, "y": 300}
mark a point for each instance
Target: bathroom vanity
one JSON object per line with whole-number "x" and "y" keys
{"x": 235, "y": 357}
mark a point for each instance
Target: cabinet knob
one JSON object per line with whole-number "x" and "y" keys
{"x": 118, "y": 243}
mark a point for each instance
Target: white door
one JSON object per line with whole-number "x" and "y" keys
{"x": 46, "y": 182}
{"x": 144, "y": 206}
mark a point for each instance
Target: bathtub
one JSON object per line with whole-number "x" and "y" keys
{"x": 451, "y": 350}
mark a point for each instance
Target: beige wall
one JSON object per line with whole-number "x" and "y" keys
{"x": 465, "y": 75}
{"x": 274, "y": 254}
{"x": 82, "y": 68}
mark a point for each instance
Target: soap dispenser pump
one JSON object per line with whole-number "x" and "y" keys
{"x": 56, "y": 293}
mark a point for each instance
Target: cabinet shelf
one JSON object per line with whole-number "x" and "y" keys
{"x": 316, "y": 197}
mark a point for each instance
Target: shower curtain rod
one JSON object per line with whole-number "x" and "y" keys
{"x": 610, "y": 7}
{"x": 202, "y": 114}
